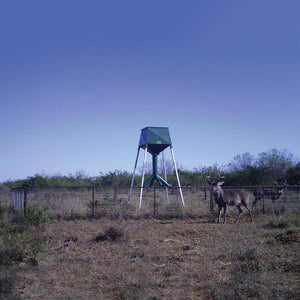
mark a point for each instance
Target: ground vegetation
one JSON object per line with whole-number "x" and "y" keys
{"x": 267, "y": 168}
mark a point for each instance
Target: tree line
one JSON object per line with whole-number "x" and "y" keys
{"x": 267, "y": 168}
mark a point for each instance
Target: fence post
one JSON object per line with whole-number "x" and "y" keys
{"x": 18, "y": 199}
{"x": 154, "y": 204}
{"x": 211, "y": 200}
{"x": 93, "y": 202}
{"x": 264, "y": 211}
{"x": 285, "y": 200}
{"x": 25, "y": 200}
{"x": 12, "y": 197}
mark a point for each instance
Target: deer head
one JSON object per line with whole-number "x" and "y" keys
{"x": 216, "y": 184}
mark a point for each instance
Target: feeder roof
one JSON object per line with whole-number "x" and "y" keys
{"x": 157, "y": 139}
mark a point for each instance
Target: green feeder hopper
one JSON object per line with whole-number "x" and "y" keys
{"x": 154, "y": 140}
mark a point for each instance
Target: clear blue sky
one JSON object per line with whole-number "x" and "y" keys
{"x": 80, "y": 79}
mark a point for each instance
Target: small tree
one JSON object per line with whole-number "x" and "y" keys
{"x": 275, "y": 163}
{"x": 293, "y": 175}
{"x": 241, "y": 162}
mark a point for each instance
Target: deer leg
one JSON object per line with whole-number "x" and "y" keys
{"x": 225, "y": 209}
{"x": 255, "y": 201}
{"x": 219, "y": 213}
{"x": 240, "y": 212}
{"x": 250, "y": 212}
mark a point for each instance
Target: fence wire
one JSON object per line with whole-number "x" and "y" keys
{"x": 158, "y": 202}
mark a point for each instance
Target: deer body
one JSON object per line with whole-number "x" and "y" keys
{"x": 225, "y": 197}
{"x": 269, "y": 193}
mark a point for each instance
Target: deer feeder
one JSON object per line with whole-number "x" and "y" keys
{"x": 154, "y": 140}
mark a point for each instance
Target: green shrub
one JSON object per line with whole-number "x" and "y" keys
{"x": 33, "y": 216}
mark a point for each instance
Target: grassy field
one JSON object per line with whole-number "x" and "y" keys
{"x": 159, "y": 259}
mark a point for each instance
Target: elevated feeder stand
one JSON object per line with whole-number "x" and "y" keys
{"x": 154, "y": 140}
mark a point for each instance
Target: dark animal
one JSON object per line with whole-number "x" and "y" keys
{"x": 270, "y": 193}
{"x": 225, "y": 197}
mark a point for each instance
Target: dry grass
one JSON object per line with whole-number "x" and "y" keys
{"x": 164, "y": 259}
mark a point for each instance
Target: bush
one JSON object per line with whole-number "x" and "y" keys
{"x": 112, "y": 233}
{"x": 33, "y": 216}
{"x": 1, "y": 210}
{"x": 11, "y": 252}
{"x": 280, "y": 224}
{"x": 6, "y": 282}
{"x": 250, "y": 261}
{"x": 291, "y": 236}
{"x": 20, "y": 241}
{"x": 284, "y": 222}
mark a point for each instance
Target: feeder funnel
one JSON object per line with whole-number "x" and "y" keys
{"x": 156, "y": 139}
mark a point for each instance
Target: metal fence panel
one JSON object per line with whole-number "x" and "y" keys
{"x": 156, "y": 201}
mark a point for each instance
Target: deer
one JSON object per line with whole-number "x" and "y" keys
{"x": 270, "y": 193}
{"x": 225, "y": 197}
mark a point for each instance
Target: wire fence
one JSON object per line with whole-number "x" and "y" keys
{"x": 158, "y": 202}
{"x": 4, "y": 197}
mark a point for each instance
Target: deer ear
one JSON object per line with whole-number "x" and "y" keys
{"x": 220, "y": 182}
{"x": 208, "y": 179}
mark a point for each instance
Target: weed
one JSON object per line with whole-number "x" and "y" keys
{"x": 279, "y": 224}
{"x": 285, "y": 222}
{"x": 170, "y": 270}
{"x": 100, "y": 238}
{"x": 10, "y": 252}
{"x": 127, "y": 292}
{"x": 112, "y": 233}
{"x": 218, "y": 291}
{"x": 33, "y": 216}
{"x": 1, "y": 210}
{"x": 250, "y": 290}
{"x": 6, "y": 282}
{"x": 35, "y": 246}
{"x": 111, "y": 208}
{"x": 249, "y": 260}
{"x": 20, "y": 242}
{"x": 290, "y": 236}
